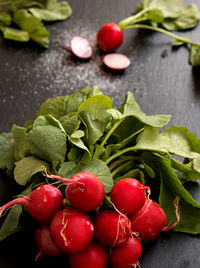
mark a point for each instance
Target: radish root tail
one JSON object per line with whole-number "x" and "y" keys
{"x": 177, "y": 213}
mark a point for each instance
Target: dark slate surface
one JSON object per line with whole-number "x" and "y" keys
{"x": 161, "y": 79}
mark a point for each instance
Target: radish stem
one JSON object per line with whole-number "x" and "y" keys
{"x": 153, "y": 28}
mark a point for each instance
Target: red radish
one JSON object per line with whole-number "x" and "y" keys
{"x": 128, "y": 195}
{"x": 149, "y": 221}
{"x": 110, "y": 37}
{"x": 42, "y": 203}
{"x": 116, "y": 61}
{"x": 127, "y": 254}
{"x": 111, "y": 228}
{"x": 45, "y": 243}
{"x": 81, "y": 47}
{"x": 93, "y": 256}
{"x": 71, "y": 230}
{"x": 85, "y": 190}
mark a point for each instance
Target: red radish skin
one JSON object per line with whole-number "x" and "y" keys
{"x": 116, "y": 61}
{"x": 126, "y": 255}
{"x": 111, "y": 228}
{"x": 110, "y": 37}
{"x": 45, "y": 243}
{"x": 81, "y": 47}
{"x": 128, "y": 195}
{"x": 94, "y": 256}
{"x": 42, "y": 203}
{"x": 71, "y": 230}
{"x": 149, "y": 221}
{"x": 85, "y": 191}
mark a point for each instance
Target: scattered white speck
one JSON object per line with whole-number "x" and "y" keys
{"x": 4, "y": 100}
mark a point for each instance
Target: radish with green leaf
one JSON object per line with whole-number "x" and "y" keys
{"x": 126, "y": 255}
{"x": 151, "y": 220}
{"x": 156, "y": 16}
{"x": 45, "y": 243}
{"x": 42, "y": 203}
{"x": 71, "y": 230}
{"x": 111, "y": 228}
{"x": 128, "y": 195}
{"x": 92, "y": 256}
{"x": 110, "y": 37}
{"x": 85, "y": 190}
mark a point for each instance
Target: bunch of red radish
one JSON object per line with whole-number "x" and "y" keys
{"x": 91, "y": 234}
{"x": 109, "y": 38}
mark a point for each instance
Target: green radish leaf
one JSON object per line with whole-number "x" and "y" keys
{"x": 56, "y": 106}
{"x": 54, "y": 12}
{"x": 48, "y": 143}
{"x": 150, "y": 140}
{"x": 73, "y": 155}
{"x": 5, "y": 18}
{"x": 97, "y": 167}
{"x": 178, "y": 140}
{"x": 180, "y": 43}
{"x": 187, "y": 171}
{"x": 70, "y": 123}
{"x": 170, "y": 8}
{"x": 93, "y": 113}
{"x": 7, "y": 145}
{"x": 187, "y": 18}
{"x": 22, "y": 147}
{"x": 48, "y": 120}
{"x": 11, "y": 224}
{"x": 155, "y": 15}
{"x": 130, "y": 107}
{"x": 189, "y": 215}
{"x": 196, "y": 164}
{"x": 195, "y": 55}
{"x": 174, "y": 140}
{"x": 63, "y": 105}
{"x": 163, "y": 166}
{"x": 26, "y": 21}
{"x": 15, "y": 34}
{"x": 77, "y": 134}
{"x": 27, "y": 167}
{"x": 40, "y": 36}
{"x": 127, "y": 128}
{"x": 79, "y": 143}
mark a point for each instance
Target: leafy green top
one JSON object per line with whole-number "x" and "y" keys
{"x": 84, "y": 132}
{"x": 21, "y": 20}
{"x": 164, "y": 16}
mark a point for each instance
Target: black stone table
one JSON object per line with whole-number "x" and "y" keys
{"x": 161, "y": 79}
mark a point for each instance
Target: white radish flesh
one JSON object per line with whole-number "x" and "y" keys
{"x": 81, "y": 47}
{"x": 116, "y": 61}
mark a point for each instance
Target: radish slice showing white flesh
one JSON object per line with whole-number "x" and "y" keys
{"x": 81, "y": 47}
{"x": 116, "y": 61}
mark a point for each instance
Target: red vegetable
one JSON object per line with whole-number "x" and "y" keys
{"x": 45, "y": 243}
{"x": 110, "y": 37}
{"x": 149, "y": 221}
{"x": 93, "y": 256}
{"x": 71, "y": 230}
{"x": 42, "y": 203}
{"x": 85, "y": 191}
{"x": 111, "y": 228}
{"x": 81, "y": 47}
{"x": 126, "y": 255}
{"x": 116, "y": 61}
{"x": 128, "y": 195}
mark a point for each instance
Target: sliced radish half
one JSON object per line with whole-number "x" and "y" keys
{"x": 81, "y": 47}
{"x": 116, "y": 61}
